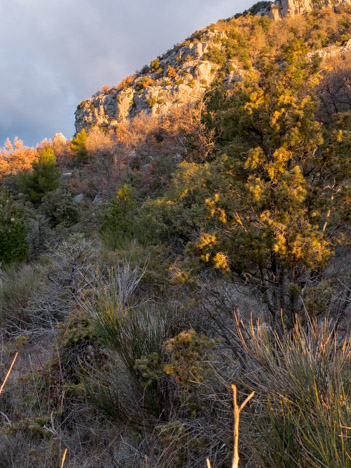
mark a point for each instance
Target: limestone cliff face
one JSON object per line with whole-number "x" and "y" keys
{"x": 183, "y": 74}
{"x": 282, "y": 8}
{"x": 179, "y": 77}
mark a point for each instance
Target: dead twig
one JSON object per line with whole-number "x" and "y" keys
{"x": 237, "y": 411}
{"x": 63, "y": 458}
{"x": 8, "y": 373}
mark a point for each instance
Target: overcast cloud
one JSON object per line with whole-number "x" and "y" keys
{"x": 55, "y": 53}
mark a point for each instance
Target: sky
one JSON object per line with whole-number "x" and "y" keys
{"x": 55, "y": 53}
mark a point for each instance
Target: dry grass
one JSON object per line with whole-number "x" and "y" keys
{"x": 301, "y": 380}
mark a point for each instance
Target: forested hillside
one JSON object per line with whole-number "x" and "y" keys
{"x": 192, "y": 236}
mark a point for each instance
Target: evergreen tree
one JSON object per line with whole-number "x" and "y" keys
{"x": 59, "y": 208}
{"x": 44, "y": 178}
{"x": 13, "y": 244}
{"x": 280, "y": 188}
{"x": 118, "y": 223}
{"x": 79, "y": 145}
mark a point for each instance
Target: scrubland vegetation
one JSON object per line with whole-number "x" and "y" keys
{"x": 146, "y": 269}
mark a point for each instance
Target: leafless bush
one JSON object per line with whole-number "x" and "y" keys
{"x": 334, "y": 90}
{"x": 74, "y": 264}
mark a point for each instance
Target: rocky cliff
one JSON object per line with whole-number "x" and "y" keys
{"x": 282, "y": 8}
{"x": 179, "y": 77}
{"x": 225, "y": 50}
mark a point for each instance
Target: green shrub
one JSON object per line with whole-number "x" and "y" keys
{"x": 174, "y": 217}
{"x": 155, "y": 64}
{"x": 82, "y": 104}
{"x": 79, "y": 145}
{"x": 130, "y": 329}
{"x": 144, "y": 83}
{"x": 44, "y": 178}
{"x": 59, "y": 208}
{"x": 119, "y": 222}
{"x": 18, "y": 288}
{"x": 13, "y": 233}
{"x": 39, "y": 233}
{"x": 343, "y": 39}
{"x": 152, "y": 102}
{"x": 215, "y": 55}
{"x": 257, "y": 7}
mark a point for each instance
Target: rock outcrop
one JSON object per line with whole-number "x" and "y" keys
{"x": 59, "y": 138}
{"x": 332, "y": 51}
{"x": 183, "y": 74}
{"x": 282, "y": 8}
{"x": 179, "y": 77}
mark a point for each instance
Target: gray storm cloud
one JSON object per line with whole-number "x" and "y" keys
{"x": 56, "y": 53}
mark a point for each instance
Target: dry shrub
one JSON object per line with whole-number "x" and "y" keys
{"x": 17, "y": 158}
{"x": 172, "y": 384}
{"x": 334, "y": 90}
{"x": 126, "y": 82}
{"x": 34, "y": 431}
{"x": 63, "y": 152}
{"x": 153, "y": 145}
{"x": 301, "y": 412}
{"x": 176, "y": 132}
{"x": 28, "y": 301}
{"x": 79, "y": 182}
{"x": 134, "y": 133}
{"x": 100, "y": 140}
{"x": 105, "y": 88}
{"x": 18, "y": 288}
{"x": 102, "y": 175}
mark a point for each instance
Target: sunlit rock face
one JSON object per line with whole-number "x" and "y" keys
{"x": 59, "y": 138}
{"x": 181, "y": 76}
{"x": 282, "y": 8}
{"x": 294, "y": 7}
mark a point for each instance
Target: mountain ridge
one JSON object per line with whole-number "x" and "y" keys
{"x": 220, "y": 51}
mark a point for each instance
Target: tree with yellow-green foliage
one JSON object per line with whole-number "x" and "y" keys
{"x": 175, "y": 217}
{"x": 79, "y": 145}
{"x": 280, "y": 186}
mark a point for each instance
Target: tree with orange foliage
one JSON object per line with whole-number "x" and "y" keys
{"x": 15, "y": 158}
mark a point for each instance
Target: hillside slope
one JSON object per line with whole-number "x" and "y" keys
{"x": 224, "y": 51}
{"x": 147, "y": 267}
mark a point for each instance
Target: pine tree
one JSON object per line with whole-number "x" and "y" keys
{"x": 280, "y": 188}
{"x": 13, "y": 233}
{"x": 119, "y": 224}
{"x": 44, "y": 178}
{"x": 79, "y": 145}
